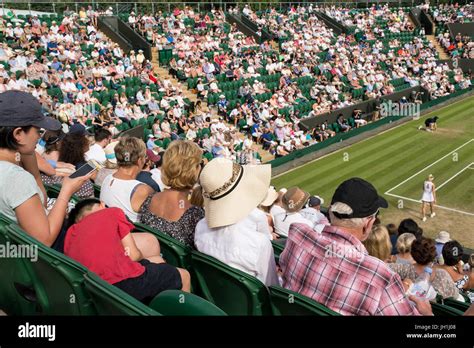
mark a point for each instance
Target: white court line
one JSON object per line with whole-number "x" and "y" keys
{"x": 432, "y": 164}
{"x": 438, "y": 206}
{"x": 455, "y": 175}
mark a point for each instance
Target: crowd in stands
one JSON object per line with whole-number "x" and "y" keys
{"x": 315, "y": 72}
{"x": 373, "y": 21}
{"x": 82, "y": 77}
{"x": 223, "y": 209}
{"x": 459, "y": 46}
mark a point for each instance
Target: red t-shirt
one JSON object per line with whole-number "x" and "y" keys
{"x": 96, "y": 243}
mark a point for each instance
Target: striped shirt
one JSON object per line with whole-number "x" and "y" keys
{"x": 334, "y": 269}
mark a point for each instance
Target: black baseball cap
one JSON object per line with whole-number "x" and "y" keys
{"x": 78, "y": 129}
{"x": 21, "y": 109}
{"x": 361, "y": 196}
{"x": 314, "y": 201}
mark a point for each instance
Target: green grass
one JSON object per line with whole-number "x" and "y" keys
{"x": 391, "y": 157}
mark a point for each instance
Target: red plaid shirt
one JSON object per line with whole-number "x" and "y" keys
{"x": 334, "y": 269}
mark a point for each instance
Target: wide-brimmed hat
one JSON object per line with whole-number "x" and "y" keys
{"x": 231, "y": 191}
{"x": 272, "y": 196}
{"x": 294, "y": 199}
{"x": 110, "y": 152}
{"x": 443, "y": 237}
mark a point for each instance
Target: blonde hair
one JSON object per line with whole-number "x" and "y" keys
{"x": 181, "y": 164}
{"x": 343, "y": 208}
{"x": 378, "y": 243}
{"x": 129, "y": 151}
{"x": 404, "y": 242}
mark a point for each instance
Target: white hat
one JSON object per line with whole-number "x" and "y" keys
{"x": 271, "y": 197}
{"x": 222, "y": 96}
{"x": 443, "y": 237}
{"x": 140, "y": 51}
{"x": 231, "y": 191}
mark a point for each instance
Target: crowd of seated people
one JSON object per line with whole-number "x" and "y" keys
{"x": 223, "y": 209}
{"x": 315, "y": 72}
{"x": 459, "y": 46}
{"x": 373, "y": 21}
{"x": 81, "y": 77}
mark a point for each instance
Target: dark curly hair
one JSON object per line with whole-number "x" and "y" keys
{"x": 53, "y": 140}
{"x": 73, "y": 149}
{"x": 423, "y": 250}
{"x": 452, "y": 253}
{"x": 410, "y": 226}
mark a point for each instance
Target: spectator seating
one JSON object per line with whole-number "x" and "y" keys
{"x": 234, "y": 291}
{"x": 444, "y": 310}
{"x": 170, "y": 302}
{"x": 287, "y": 302}
{"x": 174, "y": 252}
{"x": 17, "y": 294}
{"x": 110, "y": 300}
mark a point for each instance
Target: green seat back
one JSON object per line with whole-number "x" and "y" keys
{"x": 61, "y": 288}
{"x": 96, "y": 191}
{"x": 174, "y": 252}
{"x": 287, "y": 302}
{"x": 17, "y": 291}
{"x": 233, "y": 291}
{"x": 461, "y": 306}
{"x": 176, "y": 302}
{"x": 444, "y": 310}
{"x": 110, "y": 300}
{"x": 277, "y": 249}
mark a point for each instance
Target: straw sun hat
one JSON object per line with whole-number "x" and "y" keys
{"x": 271, "y": 197}
{"x": 231, "y": 191}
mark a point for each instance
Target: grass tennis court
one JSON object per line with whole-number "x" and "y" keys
{"x": 398, "y": 161}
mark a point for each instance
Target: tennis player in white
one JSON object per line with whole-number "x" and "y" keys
{"x": 429, "y": 196}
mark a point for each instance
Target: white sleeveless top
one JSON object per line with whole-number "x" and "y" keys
{"x": 118, "y": 193}
{"x": 427, "y": 192}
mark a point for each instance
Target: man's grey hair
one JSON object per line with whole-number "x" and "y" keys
{"x": 343, "y": 208}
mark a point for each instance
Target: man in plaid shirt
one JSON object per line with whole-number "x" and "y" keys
{"x": 334, "y": 268}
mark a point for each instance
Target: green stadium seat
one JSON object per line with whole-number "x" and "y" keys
{"x": 18, "y": 288}
{"x": 96, "y": 191}
{"x": 461, "y": 306}
{"x": 58, "y": 279}
{"x": 110, "y": 300}
{"x": 233, "y": 291}
{"x": 444, "y": 310}
{"x": 287, "y": 302}
{"x": 174, "y": 252}
{"x": 176, "y": 302}
{"x": 277, "y": 249}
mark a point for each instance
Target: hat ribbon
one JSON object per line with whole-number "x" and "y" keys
{"x": 237, "y": 173}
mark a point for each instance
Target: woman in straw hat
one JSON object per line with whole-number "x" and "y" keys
{"x": 429, "y": 197}
{"x": 234, "y": 230}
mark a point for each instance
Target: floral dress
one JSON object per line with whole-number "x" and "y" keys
{"x": 181, "y": 230}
